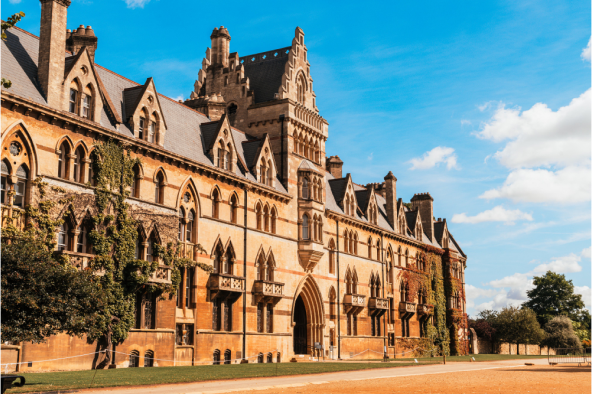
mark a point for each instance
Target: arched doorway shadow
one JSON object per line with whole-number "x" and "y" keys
{"x": 308, "y": 316}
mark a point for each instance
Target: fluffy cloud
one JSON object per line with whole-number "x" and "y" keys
{"x": 540, "y": 136}
{"x": 586, "y": 52}
{"x": 569, "y": 263}
{"x": 586, "y": 253}
{"x": 511, "y": 290}
{"x": 433, "y": 158}
{"x": 136, "y": 3}
{"x": 497, "y": 214}
{"x": 568, "y": 185}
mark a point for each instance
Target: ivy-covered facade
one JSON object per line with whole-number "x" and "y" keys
{"x": 218, "y": 225}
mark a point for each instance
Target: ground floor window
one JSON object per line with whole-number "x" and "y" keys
{"x": 149, "y": 358}
{"x": 134, "y": 360}
{"x": 216, "y": 357}
{"x": 146, "y": 311}
{"x": 184, "y": 334}
{"x": 352, "y": 324}
{"x": 405, "y": 327}
{"x": 391, "y": 339}
{"x": 227, "y": 356}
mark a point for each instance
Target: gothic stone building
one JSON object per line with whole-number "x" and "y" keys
{"x": 301, "y": 253}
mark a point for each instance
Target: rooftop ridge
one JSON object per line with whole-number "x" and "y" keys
{"x": 266, "y": 55}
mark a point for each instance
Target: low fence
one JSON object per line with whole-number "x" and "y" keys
{"x": 570, "y": 356}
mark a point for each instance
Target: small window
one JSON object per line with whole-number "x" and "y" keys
{"x": 189, "y": 226}
{"x": 260, "y": 317}
{"x": 233, "y": 209}
{"x": 20, "y": 186}
{"x": 3, "y": 189}
{"x": 189, "y": 272}
{"x": 73, "y": 100}
{"x": 64, "y": 161}
{"x": 149, "y": 359}
{"x": 134, "y": 359}
{"x": 305, "y": 227}
{"x": 86, "y": 106}
{"x": 63, "y": 237}
{"x": 135, "y": 186}
{"x": 152, "y": 132}
{"x": 215, "y": 204}
{"x": 216, "y": 357}
{"x": 158, "y": 189}
{"x": 227, "y": 357}
{"x": 305, "y": 188}
{"x": 181, "y": 224}
{"x": 141, "y": 128}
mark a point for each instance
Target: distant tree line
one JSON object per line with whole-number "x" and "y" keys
{"x": 553, "y": 316}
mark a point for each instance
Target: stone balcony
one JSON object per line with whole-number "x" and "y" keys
{"x": 226, "y": 285}
{"x": 425, "y": 310}
{"x": 79, "y": 260}
{"x": 378, "y": 303}
{"x": 354, "y": 303}
{"x": 187, "y": 250}
{"x": 13, "y": 215}
{"x": 267, "y": 291}
{"x": 161, "y": 275}
{"x": 309, "y": 254}
{"x": 407, "y": 309}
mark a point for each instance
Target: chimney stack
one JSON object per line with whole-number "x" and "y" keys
{"x": 52, "y": 58}
{"x": 390, "y": 195}
{"x": 335, "y": 166}
{"x": 425, "y": 203}
{"x": 82, "y": 37}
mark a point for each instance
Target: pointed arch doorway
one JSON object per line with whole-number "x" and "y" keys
{"x": 300, "y": 327}
{"x": 308, "y": 316}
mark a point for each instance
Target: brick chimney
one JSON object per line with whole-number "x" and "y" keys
{"x": 52, "y": 59}
{"x": 82, "y": 37}
{"x": 425, "y": 203}
{"x": 390, "y": 195}
{"x": 335, "y": 166}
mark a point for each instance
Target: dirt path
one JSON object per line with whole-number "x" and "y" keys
{"x": 533, "y": 379}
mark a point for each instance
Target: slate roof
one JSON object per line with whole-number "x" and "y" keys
{"x": 251, "y": 149}
{"x": 363, "y": 197}
{"x": 411, "y": 217}
{"x": 337, "y": 188}
{"x": 265, "y": 72}
{"x": 185, "y": 135}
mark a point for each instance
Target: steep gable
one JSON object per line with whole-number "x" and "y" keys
{"x": 144, "y": 113}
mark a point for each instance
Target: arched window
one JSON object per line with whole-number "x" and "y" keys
{"x": 269, "y": 174}
{"x": 378, "y": 250}
{"x": 403, "y": 292}
{"x": 78, "y": 165}
{"x": 320, "y": 191}
{"x": 406, "y": 257}
{"x": 215, "y": 204}
{"x": 305, "y": 188}
{"x": 259, "y": 213}
{"x": 150, "y": 248}
{"x": 221, "y": 155}
{"x": 332, "y": 304}
{"x": 181, "y": 224}
{"x": 269, "y": 358}
{"x": 279, "y": 358}
{"x": 159, "y": 188}
{"x": 266, "y": 217}
{"x": 189, "y": 226}
{"x": 5, "y": 175}
{"x": 400, "y": 257}
{"x": 354, "y": 244}
{"x": 263, "y": 172}
{"x": 260, "y": 358}
{"x": 83, "y": 244}
{"x": 228, "y": 266}
{"x": 134, "y": 359}
{"x": 348, "y": 282}
{"x": 273, "y": 220}
{"x": 218, "y": 257}
{"x": 228, "y": 158}
{"x": 301, "y": 89}
{"x": 64, "y": 161}
{"x": 346, "y": 241}
{"x": 370, "y": 247}
{"x": 87, "y": 98}
{"x": 149, "y": 358}
{"x": 152, "y": 129}
{"x": 73, "y": 98}
{"x": 313, "y": 195}
{"x": 216, "y": 357}
{"x": 63, "y": 236}
{"x": 305, "y": 227}
{"x": 227, "y": 357}
{"x": 233, "y": 209}
{"x": 139, "y": 247}
{"x": 331, "y": 256}
{"x": 317, "y": 153}
{"x": 142, "y": 125}
{"x": 355, "y": 282}
{"x": 20, "y": 188}
{"x": 135, "y": 186}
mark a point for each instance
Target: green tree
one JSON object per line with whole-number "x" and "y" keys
{"x": 10, "y": 23}
{"x": 553, "y": 295}
{"x": 581, "y": 333}
{"x": 560, "y": 334}
{"x": 41, "y": 295}
{"x": 518, "y": 325}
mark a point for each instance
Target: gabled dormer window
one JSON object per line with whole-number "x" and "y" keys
{"x": 73, "y": 100}
{"x": 152, "y": 131}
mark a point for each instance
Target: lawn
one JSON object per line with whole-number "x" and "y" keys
{"x": 53, "y": 381}
{"x": 478, "y": 357}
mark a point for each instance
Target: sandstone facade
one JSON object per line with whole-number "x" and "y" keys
{"x": 303, "y": 254}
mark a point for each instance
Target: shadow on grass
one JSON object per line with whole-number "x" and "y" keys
{"x": 53, "y": 381}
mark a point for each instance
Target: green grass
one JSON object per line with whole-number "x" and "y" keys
{"x": 478, "y": 357}
{"x": 52, "y": 381}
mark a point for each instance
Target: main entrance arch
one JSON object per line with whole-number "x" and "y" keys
{"x": 308, "y": 316}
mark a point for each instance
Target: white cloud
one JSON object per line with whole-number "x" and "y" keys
{"x": 586, "y": 294}
{"x": 587, "y": 52}
{"x": 497, "y": 214}
{"x": 561, "y": 265}
{"x": 586, "y": 253}
{"x": 540, "y": 136}
{"x": 433, "y": 158}
{"x": 465, "y": 122}
{"x": 136, "y": 3}
{"x": 371, "y": 156}
{"x": 568, "y": 185}
{"x": 485, "y": 106}
{"x": 180, "y": 97}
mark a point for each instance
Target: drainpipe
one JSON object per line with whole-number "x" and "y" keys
{"x": 282, "y": 153}
{"x": 338, "y": 297}
{"x": 384, "y": 332}
{"x": 245, "y": 276}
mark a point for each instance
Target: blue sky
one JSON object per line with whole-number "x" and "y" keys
{"x": 486, "y": 105}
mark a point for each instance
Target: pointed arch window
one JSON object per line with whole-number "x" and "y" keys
{"x": 378, "y": 250}
{"x": 233, "y": 209}
{"x": 83, "y": 244}
{"x": 403, "y": 292}
{"x": 305, "y": 227}
{"x": 152, "y": 129}
{"x": 78, "y": 165}
{"x": 73, "y": 99}
{"x": 370, "y": 248}
{"x": 63, "y": 236}
{"x": 87, "y": 97}
{"x": 228, "y": 263}
{"x": 150, "y": 248}
{"x": 189, "y": 226}
{"x": 181, "y": 223}
{"x": 259, "y": 213}
{"x": 273, "y": 220}
{"x": 331, "y": 256}
{"x": 266, "y": 218}
{"x": 263, "y": 172}
{"x": 64, "y": 161}
{"x": 141, "y": 127}
{"x": 218, "y": 257}
{"x": 269, "y": 174}
{"x": 159, "y": 188}
{"x": 4, "y": 185}
{"x": 305, "y": 188}
{"x": 216, "y": 204}
{"x": 20, "y": 188}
